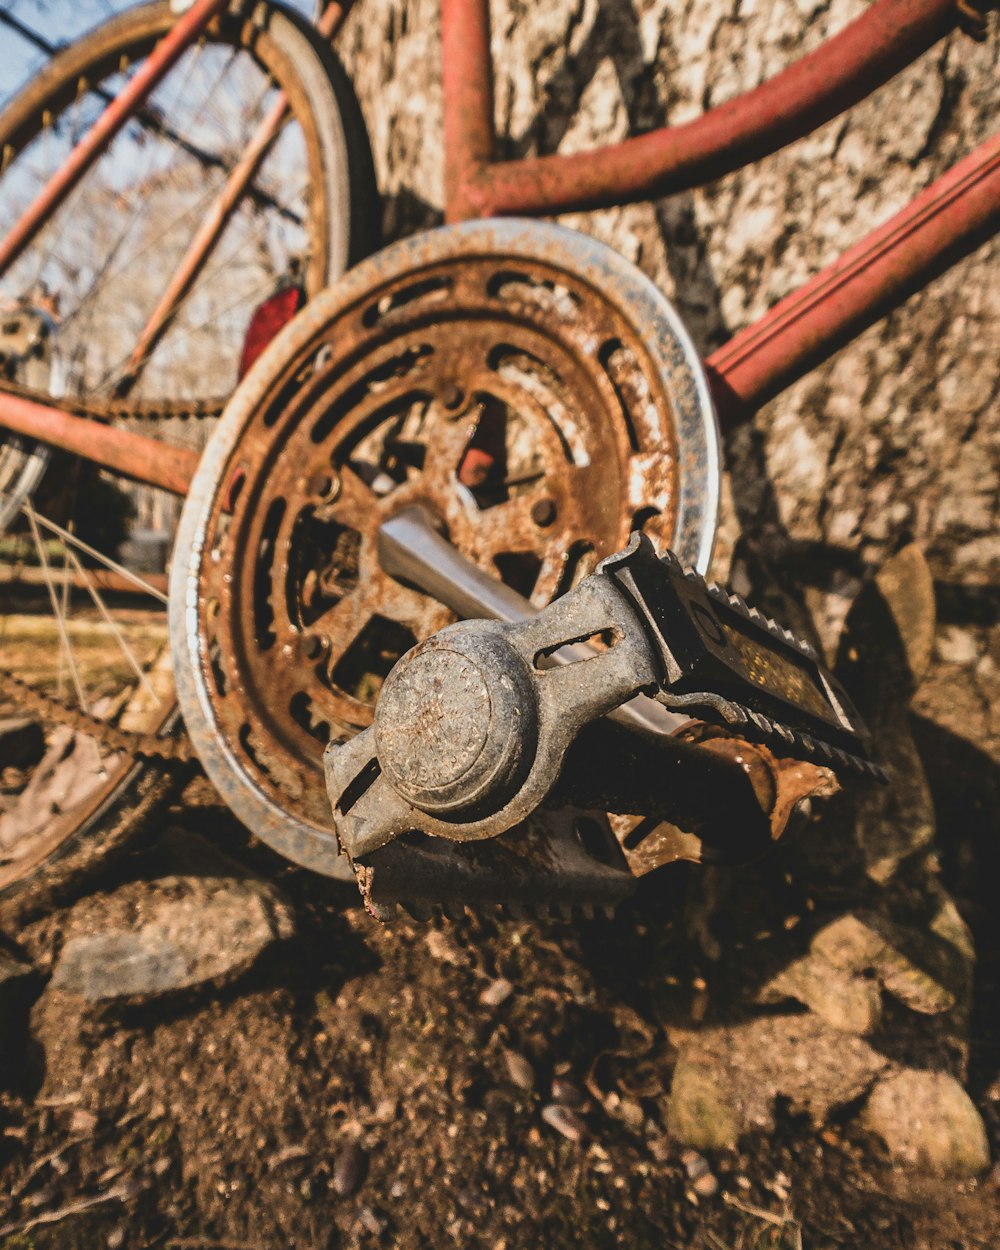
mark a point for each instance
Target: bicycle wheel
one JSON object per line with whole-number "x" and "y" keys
{"x": 83, "y": 647}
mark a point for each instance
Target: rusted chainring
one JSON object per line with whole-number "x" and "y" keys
{"x": 525, "y": 384}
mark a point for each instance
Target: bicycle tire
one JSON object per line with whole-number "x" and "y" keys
{"x": 347, "y": 218}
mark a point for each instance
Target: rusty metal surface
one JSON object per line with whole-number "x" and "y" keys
{"x": 133, "y": 455}
{"x": 474, "y": 729}
{"x": 467, "y": 88}
{"x": 782, "y": 790}
{"x": 950, "y": 218}
{"x": 885, "y": 38}
{"x": 238, "y": 184}
{"x": 477, "y": 371}
{"x": 567, "y": 862}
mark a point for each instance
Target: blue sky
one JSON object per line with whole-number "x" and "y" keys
{"x": 56, "y": 20}
{"x": 59, "y": 21}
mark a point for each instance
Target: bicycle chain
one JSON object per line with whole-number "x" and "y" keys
{"x": 124, "y": 409}
{"x": 176, "y": 748}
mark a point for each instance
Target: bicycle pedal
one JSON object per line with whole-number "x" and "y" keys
{"x": 559, "y": 864}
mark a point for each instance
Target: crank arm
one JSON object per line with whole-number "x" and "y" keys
{"x": 472, "y": 727}
{"x": 413, "y": 551}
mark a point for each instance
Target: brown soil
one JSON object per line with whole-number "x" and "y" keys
{"x": 363, "y": 1059}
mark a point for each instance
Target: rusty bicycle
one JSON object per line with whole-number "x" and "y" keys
{"x": 525, "y": 387}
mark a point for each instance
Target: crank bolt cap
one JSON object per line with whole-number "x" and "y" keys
{"x": 456, "y": 725}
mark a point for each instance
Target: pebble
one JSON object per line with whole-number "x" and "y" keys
{"x": 386, "y": 1110}
{"x": 705, "y": 1186}
{"x": 82, "y": 1121}
{"x": 496, "y": 992}
{"x": 694, "y": 1164}
{"x": 520, "y": 1071}
{"x": 349, "y": 1170}
{"x": 374, "y": 1224}
{"x": 565, "y": 1121}
{"x": 631, "y": 1114}
{"x": 567, "y": 1094}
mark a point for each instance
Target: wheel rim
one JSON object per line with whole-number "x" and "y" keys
{"x": 68, "y": 661}
{"x": 525, "y": 384}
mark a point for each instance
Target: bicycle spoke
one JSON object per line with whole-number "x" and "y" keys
{"x": 54, "y": 600}
{"x": 116, "y": 632}
{"x": 87, "y": 549}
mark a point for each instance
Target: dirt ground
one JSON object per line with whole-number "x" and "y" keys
{"x": 368, "y": 1086}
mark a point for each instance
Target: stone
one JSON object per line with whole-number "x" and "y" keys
{"x": 927, "y": 1120}
{"x": 845, "y": 1001}
{"x": 565, "y": 1121}
{"x": 727, "y": 1078}
{"x": 349, "y": 1169}
{"x": 520, "y": 1071}
{"x": 930, "y": 972}
{"x": 173, "y": 932}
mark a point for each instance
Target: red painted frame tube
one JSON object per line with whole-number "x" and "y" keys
{"x": 212, "y": 227}
{"x": 843, "y": 70}
{"x": 467, "y": 87}
{"x": 114, "y": 117}
{"x": 946, "y": 221}
{"x": 143, "y": 459}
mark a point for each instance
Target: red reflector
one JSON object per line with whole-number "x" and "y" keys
{"x": 268, "y": 318}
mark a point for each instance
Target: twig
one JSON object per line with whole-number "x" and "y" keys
{"x": 53, "y": 1217}
{"x": 37, "y": 1166}
{"x": 779, "y": 1221}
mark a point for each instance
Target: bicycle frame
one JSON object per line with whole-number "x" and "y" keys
{"x": 945, "y": 221}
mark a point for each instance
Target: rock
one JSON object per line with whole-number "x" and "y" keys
{"x": 349, "y": 1170}
{"x": 700, "y": 1112}
{"x": 927, "y": 1120}
{"x": 565, "y": 1121}
{"x": 847, "y": 1002}
{"x": 372, "y": 1222}
{"x": 884, "y": 654}
{"x": 694, "y": 1164}
{"x": 520, "y": 1071}
{"x": 22, "y": 742}
{"x": 173, "y": 932}
{"x": 727, "y": 1079}
{"x": 927, "y": 971}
